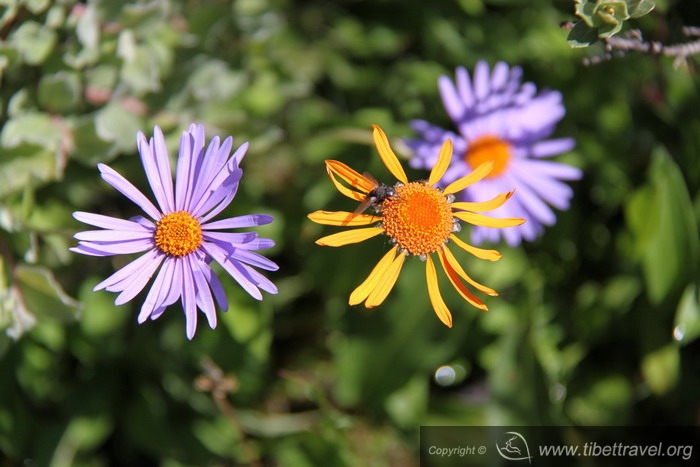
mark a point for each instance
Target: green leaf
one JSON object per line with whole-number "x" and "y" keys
{"x": 60, "y": 92}
{"x": 37, "y": 6}
{"x": 661, "y": 218}
{"x": 407, "y": 405}
{"x": 101, "y": 317}
{"x": 660, "y": 369}
{"x": 581, "y": 35}
{"x": 88, "y": 147}
{"x": 88, "y": 27}
{"x": 639, "y": 8}
{"x": 116, "y": 124}
{"x": 34, "y": 42}
{"x": 15, "y": 320}
{"x": 26, "y": 165}
{"x": 686, "y": 327}
{"x": 605, "y": 401}
{"x": 43, "y": 295}
{"x": 32, "y": 128}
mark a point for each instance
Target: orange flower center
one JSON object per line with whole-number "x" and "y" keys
{"x": 418, "y": 218}
{"x": 489, "y": 148}
{"x": 178, "y": 233}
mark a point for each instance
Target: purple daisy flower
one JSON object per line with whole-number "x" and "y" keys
{"x": 180, "y": 238}
{"x": 499, "y": 118}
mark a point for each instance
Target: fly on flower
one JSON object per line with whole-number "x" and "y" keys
{"x": 419, "y": 219}
{"x": 376, "y": 197}
{"x": 180, "y": 239}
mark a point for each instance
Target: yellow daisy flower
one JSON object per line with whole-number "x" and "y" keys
{"x": 420, "y": 219}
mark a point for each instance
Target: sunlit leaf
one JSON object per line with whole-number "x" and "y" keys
{"x": 60, "y": 92}
{"x": 582, "y": 35}
{"x": 686, "y": 326}
{"x": 43, "y": 295}
{"x": 34, "y": 42}
{"x": 639, "y": 8}
{"x": 662, "y": 220}
{"x": 661, "y": 369}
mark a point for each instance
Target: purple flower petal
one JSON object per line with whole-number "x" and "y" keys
{"x": 450, "y": 99}
{"x": 216, "y": 287}
{"x": 107, "y": 222}
{"x": 120, "y": 279}
{"x": 174, "y": 292}
{"x": 258, "y": 244}
{"x": 117, "y": 248}
{"x": 189, "y": 298}
{"x": 125, "y": 187}
{"x": 156, "y": 296}
{"x": 234, "y": 268}
{"x": 552, "y": 147}
{"x": 254, "y": 259}
{"x": 222, "y": 197}
{"x": 230, "y": 238}
{"x": 204, "y": 299}
{"x": 184, "y": 179}
{"x": 112, "y": 235}
{"x": 139, "y": 280}
{"x": 249, "y": 220}
{"x": 154, "y": 158}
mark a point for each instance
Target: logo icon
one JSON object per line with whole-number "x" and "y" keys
{"x": 515, "y": 448}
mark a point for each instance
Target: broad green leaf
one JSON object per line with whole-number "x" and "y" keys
{"x": 15, "y": 320}
{"x": 661, "y": 218}
{"x": 88, "y": 147}
{"x": 32, "y": 128}
{"x": 116, "y": 124}
{"x": 55, "y": 17}
{"x": 686, "y": 326}
{"x": 101, "y": 317}
{"x": 605, "y": 401}
{"x": 582, "y": 35}
{"x": 37, "y": 6}
{"x": 27, "y": 165}
{"x": 660, "y": 369}
{"x": 34, "y": 42}
{"x": 639, "y": 8}
{"x": 88, "y": 27}
{"x": 60, "y": 92}
{"x": 43, "y": 295}
{"x": 407, "y": 405}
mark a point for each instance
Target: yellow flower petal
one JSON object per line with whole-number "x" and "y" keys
{"x": 436, "y": 300}
{"x": 386, "y": 282}
{"x": 387, "y": 154}
{"x": 486, "y": 221}
{"x": 442, "y": 163}
{"x": 454, "y": 264}
{"x": 490, "y": 255}
{"x": 484, "y": 205}
{"x": 342, "y": 218}
{"x": 479, "y": 173}
{"x": 349, "y": 236}
{"x": 368, "y": 285}
{"x": 351, "y": 177}
{"x": 461, "y": 288}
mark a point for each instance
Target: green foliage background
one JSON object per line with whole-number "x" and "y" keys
{"x": 597, "y": 321}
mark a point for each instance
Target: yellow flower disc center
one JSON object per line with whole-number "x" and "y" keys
{"x": 418, "y": 218}
{"x": 178, "y": 233}
{"x": 489, "y": 148}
